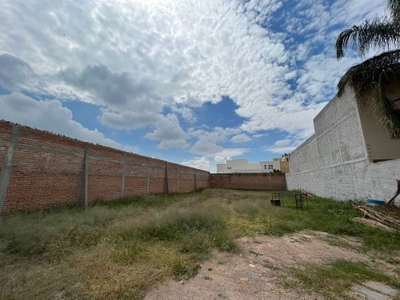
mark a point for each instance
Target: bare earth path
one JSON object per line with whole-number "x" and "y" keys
{"x": 262, "y": 269}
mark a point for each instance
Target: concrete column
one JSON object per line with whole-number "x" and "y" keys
{"x": 83, "y": 194}
{"x": 270, "y": 181}
{"x": 178, "y": 181}
{"x": 166, "y": 186}
{"x": 123, "y": 178}
{"x": 7, "y": 167}
{"x": 148, "y": 179}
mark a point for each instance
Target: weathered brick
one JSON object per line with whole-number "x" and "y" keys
{"x": 47, "y": 170}
{"x": 249, "y": 181}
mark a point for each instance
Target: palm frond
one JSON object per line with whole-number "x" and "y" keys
{"x": 365, "y": 76}
{"x": 394, "y": 6}
{"x": 378, "y": 33}
{"x": 375, "y": 74}
{"x": 383, "y": 108}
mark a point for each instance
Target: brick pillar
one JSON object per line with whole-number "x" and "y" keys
{"x": 7, "y": 167}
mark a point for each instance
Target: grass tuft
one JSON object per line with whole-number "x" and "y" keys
{"x": 336, "y": 278}
{"x": 118, "y": 250}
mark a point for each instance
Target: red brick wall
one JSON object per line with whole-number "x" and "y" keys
{"x": 249, "y": 181}
{"x": 48, "y": 170}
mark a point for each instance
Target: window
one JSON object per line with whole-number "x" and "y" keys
{"x": 229, "y": 168}
{"x": 270, "y": 167}
{"x": 265, "y": 167}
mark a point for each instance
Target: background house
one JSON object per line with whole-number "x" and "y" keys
{"x": 243, "y": 166}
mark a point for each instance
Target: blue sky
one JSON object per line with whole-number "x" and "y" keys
{"x": 188, "y": 81}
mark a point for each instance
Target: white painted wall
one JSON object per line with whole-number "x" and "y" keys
{"x": 264, "y": 165}
{"x": 243, "y": 166}
{"x": 335, "y": 162}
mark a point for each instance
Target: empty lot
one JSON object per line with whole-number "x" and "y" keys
{"x": 220, "y": 244}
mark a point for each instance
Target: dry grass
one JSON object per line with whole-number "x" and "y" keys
{"x": 121, "y": 249}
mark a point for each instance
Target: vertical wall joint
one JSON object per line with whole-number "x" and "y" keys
{"x": 148, "y": 180}
{"x": 83, "y": 198}
{"x": 166, "y": 186}
{"x": 123, "y": 177}
{"x": 7, "y": 167}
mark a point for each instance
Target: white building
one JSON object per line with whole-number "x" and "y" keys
{"x": 350, "y": 156}
{"x": 243, "y": 166}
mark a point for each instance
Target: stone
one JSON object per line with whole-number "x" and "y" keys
{"x": 384, "y": 289}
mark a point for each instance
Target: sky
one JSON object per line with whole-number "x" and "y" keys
{"x": 194, "y": 82}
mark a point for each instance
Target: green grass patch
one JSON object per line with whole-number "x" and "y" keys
{"x": 335, "y": 279}
{"x": 119, "y": 249}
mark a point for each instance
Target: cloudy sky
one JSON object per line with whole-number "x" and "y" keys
{"x": 190, "y": 81}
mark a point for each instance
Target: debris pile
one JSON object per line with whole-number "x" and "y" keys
{"x": 379, "y": 217}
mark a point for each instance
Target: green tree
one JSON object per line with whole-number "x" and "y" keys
{"x": 376, "y": 73}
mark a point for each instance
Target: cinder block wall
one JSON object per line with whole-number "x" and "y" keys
{"x": 336, "y": 162}
{"x": 40, "y": 169}
{"x": 249, "y": 181}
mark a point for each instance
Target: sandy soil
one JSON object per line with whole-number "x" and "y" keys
{"x": 262, "y": 268}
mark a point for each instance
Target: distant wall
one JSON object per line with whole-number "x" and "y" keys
{"x": 336, "y": 162}
{"x": 40, "y": 169}
{"x": 249, "y": 181}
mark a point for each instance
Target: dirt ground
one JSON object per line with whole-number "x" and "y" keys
{"x": 261, "y": 270}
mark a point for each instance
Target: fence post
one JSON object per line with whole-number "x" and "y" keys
{"x": 7, "y": 168}
{"x": 148, "y": 179}
{"x": 83, "y": 200}
{"x": 123, "y": 177}
{"x": 166, "y": 187}
{"x": 178, "y": 180}
{"x": 86, "y": 177}
{"x": 270, "y": 181}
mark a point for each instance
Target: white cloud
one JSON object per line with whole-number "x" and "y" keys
{"x": 202, "y": 163}
{"x": 129, "y": 119}
{"x": 209, "y": 142}
{"x": 169, "y": 132}
{"x": 185, "y": 112}
{"x": 52, "y": 116}
{"x": 16, "y": 74}
{"x": 284, "y": 146}
{"x": 282, "y": 143}
{"x": 229, "y": 154}
{"x": 135, "y": 58}
{"x": 240, "y": 138}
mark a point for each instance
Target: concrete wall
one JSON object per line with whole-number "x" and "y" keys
{"x": 284, "y": 166}
{"x": 380, "y": 145}
{"x": 335, "y": 162}
{"x": 40, "y": 169}
{"x": 249, "y": 181}
{"x": 264, "y": 165}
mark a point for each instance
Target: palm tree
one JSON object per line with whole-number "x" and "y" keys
{"x": 376, "y": 73}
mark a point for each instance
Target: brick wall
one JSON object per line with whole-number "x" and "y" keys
{"x": 249, "y": 181}
{"x": 40, "y": 169}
